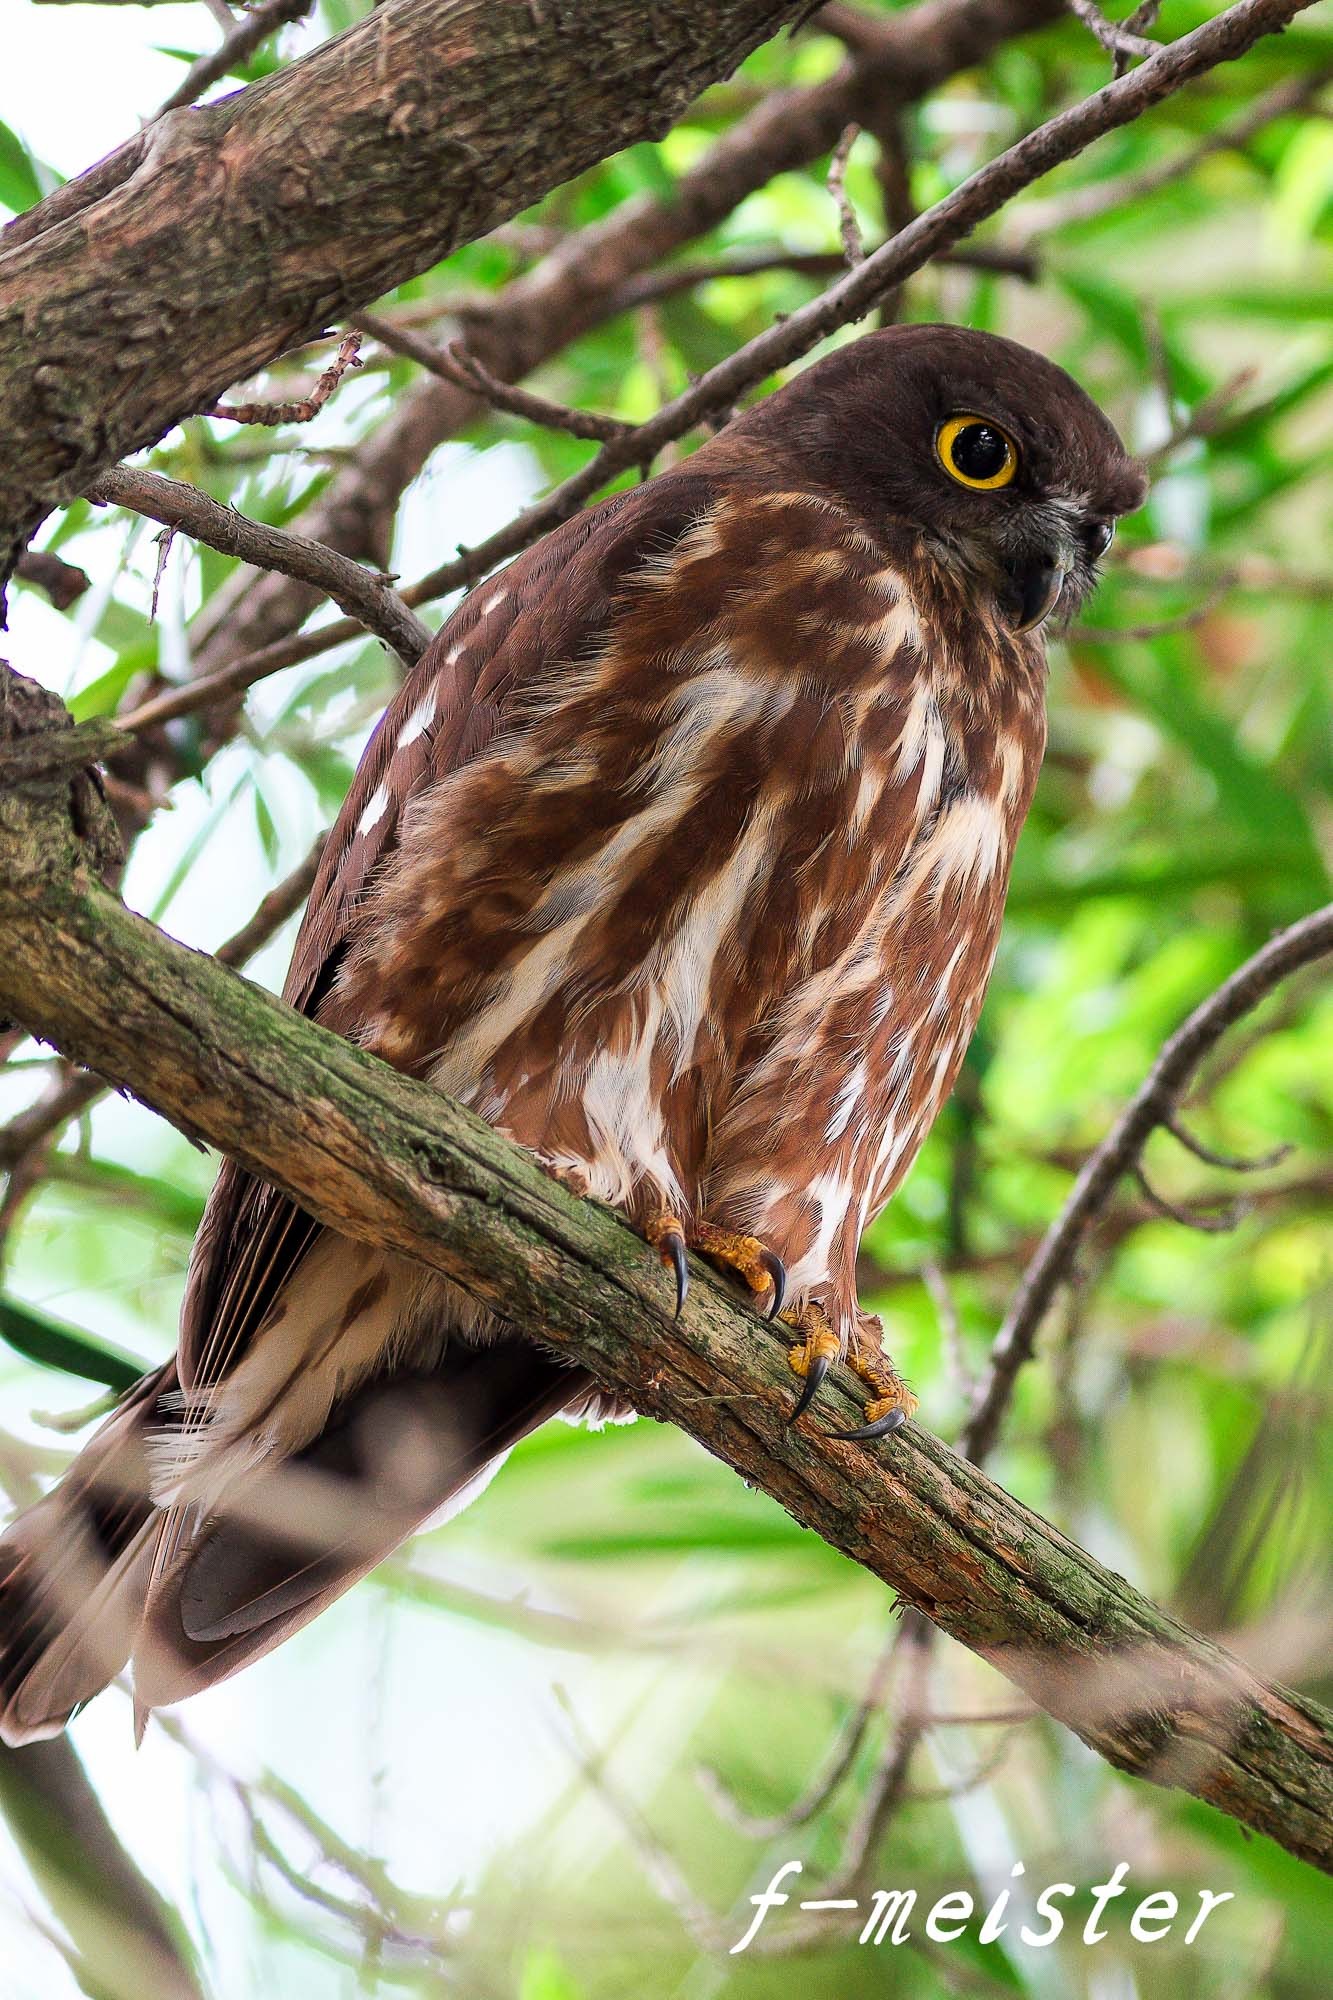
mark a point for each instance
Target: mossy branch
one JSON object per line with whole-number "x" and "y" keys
{"x": 376, "y": 1156}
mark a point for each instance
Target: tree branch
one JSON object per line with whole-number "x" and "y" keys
{"x": 376, "y": 1156}
{"x": 353, "y": 588}
{"x": 139, "y": 293}
{"x": 1156, "y": 1103}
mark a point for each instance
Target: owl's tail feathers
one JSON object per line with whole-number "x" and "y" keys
{"x": 293, "y": 1535}
{"x": 74, "y": 1573}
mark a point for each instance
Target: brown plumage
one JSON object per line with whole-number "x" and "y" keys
{"x": 681, "y": 857}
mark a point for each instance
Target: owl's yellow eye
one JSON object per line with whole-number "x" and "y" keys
{"x": 976, "y": 452}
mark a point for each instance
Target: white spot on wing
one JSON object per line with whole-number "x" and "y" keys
{"x": 419, "y": 721}
{"x": 375, "y": 810}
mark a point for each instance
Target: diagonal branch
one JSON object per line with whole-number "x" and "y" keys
{"x": 353, "y": 588}
{"x": 1155, "y": 1103}
{"x": 374, "y": 1155}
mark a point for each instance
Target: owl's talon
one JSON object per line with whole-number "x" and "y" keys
{"x": 667, "y": 1237}
{"x": 892, "y": 1420}
{"x": 815, "y": 1372}
{"x": 777, "y": 1272}
{"x": 761, "y": 1268}
{"x": 814, "y": 1357}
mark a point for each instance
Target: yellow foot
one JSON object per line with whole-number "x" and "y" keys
{"x": 892, "y": 1403}
{"x": 761, "y": 1268}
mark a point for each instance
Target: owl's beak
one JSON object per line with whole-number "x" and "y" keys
{"x": 1034, "y": 593}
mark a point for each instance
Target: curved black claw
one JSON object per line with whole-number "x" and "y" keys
{"x": 815, "y": 1372}
{"x": 673, "y": 1246}
{"x": 892, "y": 1420}
{"x": 777, "y": 1274}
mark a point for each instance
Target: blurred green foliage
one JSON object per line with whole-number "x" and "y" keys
{"x": 1177, "y": 1420}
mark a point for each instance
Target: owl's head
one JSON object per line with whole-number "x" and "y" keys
{"x": 1004, "y": 469}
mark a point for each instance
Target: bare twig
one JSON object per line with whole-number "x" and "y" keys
{"x": 455, "y": 363}
{"x": 846, "y": 1749}
{"x": 1236, "y": 1163}
{"x": 1209, "y": 1222}
{"x": 240, "y": 41}
{"x": 355, "y": 590}
{"x": 305, "y": 408}
{"x": 243, "y": 673}
{"x": 1116, "y": 37}
{"x": 853, "y": 243}
{"x": 1156, "y": 1101}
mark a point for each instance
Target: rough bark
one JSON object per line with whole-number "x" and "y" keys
{"x": 219, "y": 237}
{"x": 376, "y": 1156}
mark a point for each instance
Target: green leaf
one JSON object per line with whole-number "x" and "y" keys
{"x": 55, "y": 1345}
{"x": 19, "y": 185}
{"x": 102, "y": 696}
{"x": 544, "y": 1978}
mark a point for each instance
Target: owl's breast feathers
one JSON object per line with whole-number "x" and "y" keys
{"x": 711, "y": 916}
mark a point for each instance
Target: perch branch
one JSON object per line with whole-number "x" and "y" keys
{"x": 376, "y": 1156}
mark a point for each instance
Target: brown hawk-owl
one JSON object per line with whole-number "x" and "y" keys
{"x": 680, "y": 857}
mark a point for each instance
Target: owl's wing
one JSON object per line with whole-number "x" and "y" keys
{"x": 552, "y": 605}
{"x": 74, "y": 1569}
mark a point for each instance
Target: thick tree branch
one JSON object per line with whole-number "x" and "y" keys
{"x": 376, "y": 1156}
{"x": 221, "y": 236}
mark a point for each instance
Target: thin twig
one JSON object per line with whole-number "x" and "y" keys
{"x": 305, "y": 408}
{"x": 236, "y": 45}
{"x": 846, "y": 1749}
{"x": 853, "y": 243}
{"x": 1116, "y": 37}
{"x": 457, "y": 364}
{"x": 1209, "y": 1222}
{"x": 1157, "y": 1099}
{"x": 1236, "y": 1163}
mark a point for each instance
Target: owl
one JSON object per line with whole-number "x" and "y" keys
{"x": 680, "y": 857}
